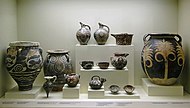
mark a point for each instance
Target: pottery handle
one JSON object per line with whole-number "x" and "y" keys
{"x": 179, "y": 38}
{"x": 95, "y": 76}
{"x": 55, "y": 78}
{"x": 145, "y": 38}
{"x": 107, "y": 28}
{"x": 88, "y": 27}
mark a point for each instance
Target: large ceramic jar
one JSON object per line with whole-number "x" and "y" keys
{"x": 83, "y": 34}
{"x": 119, "y": 60}
{"x": 58, "y": 62}
{"x": 101, "y": 35}
{"x": 24, "y": 62}
{"x": 162, "y": 58}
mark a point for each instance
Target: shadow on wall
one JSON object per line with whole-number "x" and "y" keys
{"x": 6, "y": 82}
{"x": 185, "y": 74}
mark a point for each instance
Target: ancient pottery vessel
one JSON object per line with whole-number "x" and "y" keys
{"x": 24, "y": 62}
{"x": 72, "y": 79}
{"x": 96, "y": 82}
{"x": 103, "y": 65}
{"x": 129, "y": 89}
{"x": 114, "y": 89}
{"x": 101, "y": 35}
{"x": 87, "y": 64}
{"x": 58, "y": 62}
{"x": 48, "y": 85}
{"x": 123, "y": 38}
{"x": 83, "y": 34}
{"x": 162, "y": 58}
{"x": 119, "y": 60}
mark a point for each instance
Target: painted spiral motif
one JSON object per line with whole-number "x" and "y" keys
{"x": 24, "y": 64}
{"x": 162, "y": 59}
{"x": 58, "y": 63}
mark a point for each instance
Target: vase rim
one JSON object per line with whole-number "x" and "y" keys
{"x": 162, "y": 34}
{"x": 58, "y": 51}
{"x": 121, "y": 34}
{"x": 24, "y": 43}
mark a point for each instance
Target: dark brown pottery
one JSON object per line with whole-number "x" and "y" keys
{"x": 101, "y": 35}
{"x": 24, "y": 62}
{"x": 114, "y": 89}
{"x": 162, "y": 58}
{"x": 103, "y": 65}
{"x": 83, "y": 34}
{"x": 87, "y": 64}
{"x": 58, "y": 62}
{"x": 72, "y": 79}
{"x": 129, "y": 89}
{"x": 123, "y": 38}
{"x": 48, "y": 85}
{"x": 119, "y": 60}
{"x": 96, "y": 82}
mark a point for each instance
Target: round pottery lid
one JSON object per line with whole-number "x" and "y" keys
{"x": 58, "y": 51}
{"x": 24, "y": 43}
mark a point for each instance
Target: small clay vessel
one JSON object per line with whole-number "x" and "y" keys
{"x": 103, "y": 65}
{"x": 87, "y": 64}
{"x": 72, "y": 79}
{"x": 129, "y": 89}
{"x": 123, "y": 38}
{"x": 119, "y": 60}
{"x": 48, "y": 85}
{"x": 96, "y": 82}
{"x": 114, "y": 89}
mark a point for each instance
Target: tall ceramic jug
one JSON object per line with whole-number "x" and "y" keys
{"x": 83, "y": 34}
{"x": 24, "y": 62}
{"x": 101, "y": 35}
{"x": 162, "y": 58}
{"x": 58, "y": 63}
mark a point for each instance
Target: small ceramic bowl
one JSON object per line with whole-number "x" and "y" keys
{"x": 87, "y": 64}
{"x": 103, "y": 65}
{"x": 129, "y": 89}
{"x": 114, "y": 89}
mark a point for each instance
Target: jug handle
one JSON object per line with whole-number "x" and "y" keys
{"x": 145, "y": 38}
{"x": 55, "y": 78}
{"x": 85, "y": 25}
{"x": 95, "y": 76}
{"x": 105, "y": 26}
{"x": 179, "y": 38}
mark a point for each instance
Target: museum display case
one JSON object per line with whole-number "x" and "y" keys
{"x": 107, "y": 74}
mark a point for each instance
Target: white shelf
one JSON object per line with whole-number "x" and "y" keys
{"x": 56, "y": 100}
{"x": 110, "y": 69}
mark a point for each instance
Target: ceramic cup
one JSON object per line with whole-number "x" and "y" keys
{"x": 87, "y": 64}
{"x": 103, "y": 65}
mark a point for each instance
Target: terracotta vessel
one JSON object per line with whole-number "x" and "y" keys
{"x": 101, "y": 35}
{"x": 103, "y": 65}
{"x": 162, "y": 58}
{"x": 123, "y": 38}
{"x": 83, "y": 34}
{"x": 87, "y": 64}
{"x": 24, "y": 62}
{"x": 119, "y": 60}
{"x": 96, "y": 82}
{"x": 48, "y": 85}
{"x": 114, "y": 89}
{"x": 72, "y": 79}
{"x": 129, "y": 89}
{"x": 58, "y": 63}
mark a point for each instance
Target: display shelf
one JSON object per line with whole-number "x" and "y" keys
{"x": 15, "y": 93}
{"x": 96, "y": 94}
{"x": 56, "y": 100}
{"x": 113, "y": 76}
{"x": 67, "y": 91}
{"x": 159, "y": 90}
{"x": 122, "y": 95}
{"x": 110, "y": 69}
